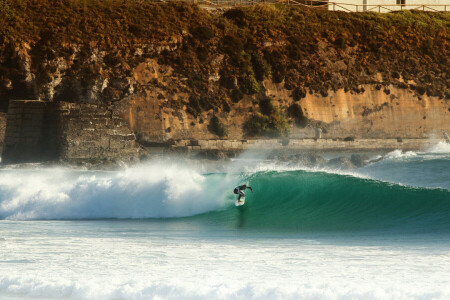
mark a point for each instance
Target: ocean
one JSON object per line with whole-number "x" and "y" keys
{"x": 168, "y": 229}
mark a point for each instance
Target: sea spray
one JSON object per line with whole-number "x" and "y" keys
{"x": 441, "y": 147}
{"x": 151, "y": 190}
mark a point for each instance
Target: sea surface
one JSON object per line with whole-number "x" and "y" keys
{"x": 168, "y": 229}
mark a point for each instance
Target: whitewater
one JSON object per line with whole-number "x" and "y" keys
{"x": 168, "y": 229}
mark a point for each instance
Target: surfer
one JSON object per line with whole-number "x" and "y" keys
{"x": 239, "y": 190}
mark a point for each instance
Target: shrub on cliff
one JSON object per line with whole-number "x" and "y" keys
{"x": 236, "y": 95}
{"x": 340, "y": 42}
{"x": 276, "y": 59}
{"x": 232, "y": 44}
{"x": 260, "y": 67}
{"x": 296, "y": 112}
{"x": 237, "y": 16}
{"x": 7, "y": 13}
{"x": 202, "y": 53}
{"x": 203, "y": 33}
{"x": 216, "y": 127}
{"x": 271, "y": 126}
{"x": 248, "y": 84}
{"x": 267, "y": 107}
{"x": 298, "y": 93}
{"x": 270, "y": 122}
{"x": 194, "y": 107}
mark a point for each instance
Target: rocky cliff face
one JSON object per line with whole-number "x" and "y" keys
{"x": 379, "y": 111}
{"x": 387, "y": 112}
{"x": 175, "y": 71}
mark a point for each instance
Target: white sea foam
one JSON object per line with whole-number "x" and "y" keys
{"x": 160, "y": 267}
{"x": 138, "y": 290}
{"x": 441, "y": 147}
{"x": 397, "y": 154}
{"x": 150, "y": 190}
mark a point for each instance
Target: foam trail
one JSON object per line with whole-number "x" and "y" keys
{"x": 440, "y": 148}
{"x": 399, "y": 154}
{"x": 147, "y": 191}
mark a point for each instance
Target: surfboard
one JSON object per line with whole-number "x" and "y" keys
{"x": 240, "y": 203}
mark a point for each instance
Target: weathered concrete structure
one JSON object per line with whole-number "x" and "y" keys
{"x": 306, "y": 144}
{"x": 38, "y": 131}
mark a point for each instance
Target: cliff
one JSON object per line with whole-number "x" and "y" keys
{"x": 176, "y": 71}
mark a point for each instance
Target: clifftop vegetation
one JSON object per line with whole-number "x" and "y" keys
{"x": 307, "y": 50}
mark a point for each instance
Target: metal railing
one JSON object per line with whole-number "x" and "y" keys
{"x": 326, "y": 5}
{"x": 349, "y": 7}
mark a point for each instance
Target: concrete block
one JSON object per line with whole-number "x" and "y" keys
{"x": 227, "y": 145}
{"x": 236, "y": 145}
{"x": 129, "y": 144}
{"x": 203, "y": 143}
{"x": 115, "y": 143}
{"x": 182, "y": 143}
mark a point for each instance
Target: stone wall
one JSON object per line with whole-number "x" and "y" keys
{"x": 306, "y": 144}
{"x": 89, "y": 132}
{"x": 39, "y": 131}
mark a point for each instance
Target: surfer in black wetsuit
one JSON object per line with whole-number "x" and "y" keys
{"x": 239, "y": 190}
